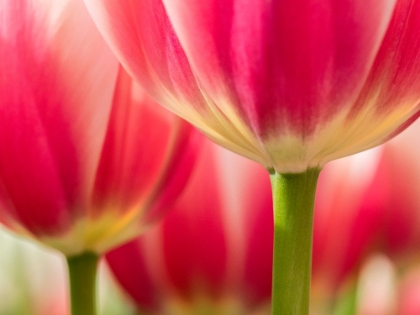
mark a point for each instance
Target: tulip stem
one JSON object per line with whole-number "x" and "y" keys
{"x": 293, "y": 198}
{"x": 82, "y": 276}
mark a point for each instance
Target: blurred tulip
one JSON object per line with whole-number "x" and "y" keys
{"x": 365, "y": 204}
{"x": 87, "y": 159}
{"x": 290, "y": 84}
{"x": 376, "y": 288}
{"x": 400, "y": 224}
{"x": 212, "y": 253}
{"x": 342, "y": 231}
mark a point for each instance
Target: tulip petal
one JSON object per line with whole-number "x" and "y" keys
{"x": 51, "y": 129}
{"x": 201, "y": 256}
{"x": 126, "y": 167}
{"x": 283, "y": 66}
{"x": 142, "y": 37}
{"x": 146, "y": 159}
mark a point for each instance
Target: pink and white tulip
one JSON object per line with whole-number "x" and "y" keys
{"x": 290, "y": 84}
{"x": 212, "y": 253}
{"x": 367, "y": 204}
{"x": 87, "y": 159}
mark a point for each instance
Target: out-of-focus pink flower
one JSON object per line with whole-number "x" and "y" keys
{"x": 365, "y": 204}
{"x": 290, "y": 84}
{"x": 212, "y": 253}
{"x": 342, "y": 231}
{"x": 87, "y": 159}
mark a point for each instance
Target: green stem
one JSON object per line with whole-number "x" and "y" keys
{"x": 293, "y": 196}
{"x": 82, "y": 276}
{"x": 346, "y": 301}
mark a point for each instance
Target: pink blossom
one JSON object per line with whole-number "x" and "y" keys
{"x": 87, "y": 159}
{"x": 212, "y": 253}
{"x": 367, "y": 204}
{"x": 290, "y": 84}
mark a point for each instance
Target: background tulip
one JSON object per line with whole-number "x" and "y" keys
{"x": 87, "y": 159}
{"x": 212, "y": 252}
{"x": 361, "y": 214}
{"x": 344, "y": 226}
{"x": 85, "y": 153}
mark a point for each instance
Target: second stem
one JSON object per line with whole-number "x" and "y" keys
{"x": 82, "y": 279}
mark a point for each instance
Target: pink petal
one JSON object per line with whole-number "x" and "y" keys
{"x": 142, "y": 37}
{"x": 203, "y": 248}
{"x": 51, "y": 128}
{"x": 282, "y": 65}
{"x": 146, "y": 157}
{"x": 394, "y": 80}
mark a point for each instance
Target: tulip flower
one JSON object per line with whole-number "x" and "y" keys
{"x": 359, "y": 214}
{"x": 87, "y": 159}
{"x": 344, "y": 231}
{"x": 212, "y": 252}
{"x": 290, "y": 84}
